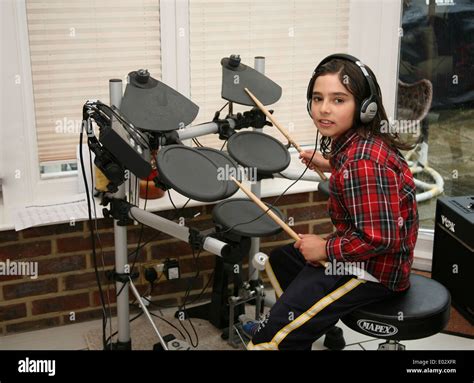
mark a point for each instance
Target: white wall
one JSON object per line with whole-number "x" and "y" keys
{"x": 14, "y": 117}
{"x": 21, "y": 179}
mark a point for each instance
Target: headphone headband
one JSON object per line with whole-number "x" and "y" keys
{"x": 368, "y": 108}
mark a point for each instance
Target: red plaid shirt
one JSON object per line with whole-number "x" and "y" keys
{"x": 373, "y": 207}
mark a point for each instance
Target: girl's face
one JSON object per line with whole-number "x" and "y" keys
{"x": 332, "y": 106}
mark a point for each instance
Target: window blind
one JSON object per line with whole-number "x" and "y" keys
{"x": 293, "y": 36}
{"x": 75, "y": 48}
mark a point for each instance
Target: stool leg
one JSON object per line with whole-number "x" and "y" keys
{"x": 391, "y": 345}
{"x": 334, "y": 339}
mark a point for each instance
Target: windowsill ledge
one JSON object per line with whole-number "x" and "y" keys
{"x": 269, "y": 188}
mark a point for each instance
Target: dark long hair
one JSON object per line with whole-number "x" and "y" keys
{"x": 354, "y": 81}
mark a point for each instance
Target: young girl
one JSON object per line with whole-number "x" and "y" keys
{"x": 372, "y": 206}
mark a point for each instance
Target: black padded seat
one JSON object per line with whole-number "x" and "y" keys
{"x": 423, "y": 310}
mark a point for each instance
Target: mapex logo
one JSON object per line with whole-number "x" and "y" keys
{"x": 447, "y": 223}
{"x": 377, "y": 328}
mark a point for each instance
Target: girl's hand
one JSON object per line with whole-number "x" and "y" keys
{"x": 313, "y": 248}
{"x": 318, "y": 160}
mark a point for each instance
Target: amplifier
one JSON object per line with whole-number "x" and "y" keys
{"x": 453, "y": 251}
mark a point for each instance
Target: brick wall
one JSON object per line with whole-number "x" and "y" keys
{"x": 66, "y": 280}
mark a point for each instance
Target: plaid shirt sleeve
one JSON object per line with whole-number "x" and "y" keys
{"x": 369, "y": 193}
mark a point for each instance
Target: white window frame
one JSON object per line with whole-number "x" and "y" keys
{"x": 31, "y": 187}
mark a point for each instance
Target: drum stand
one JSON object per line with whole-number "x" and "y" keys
{"x": 254, "y": 280}
{"x": 123, "y": 213}
{"x": 228, "y": 255}
{"x": 224, "y": 309}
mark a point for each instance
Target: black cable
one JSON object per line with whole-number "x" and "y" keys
{"x": 182, "y": 308}
{"x": 105, "y": 340}
{"x": 126, "y": 124}
{"x": 222, "y": 147}
{"x": 91, "y": 229}
{"x": 196, "y": 141}
{"x": 197, "y": 265}
{"x": 189, "y": 282}
{"x": 174, "y": 206}
{"x": 169, "y": 323}
{"x": 171, "y": 200}
{"x": 100, "y": 243}
{"x": 140, "y": 314}
{"x": 155, "y": 236}
{"x": 137, "y": 251}
{"x": 203, "y": 289}
{"x": 281, "y": 195}
{"x": 158, "y": 305}
{"x": 198, "y": 144}
{"x": 150, "y": 290}
{"x": 161, "y": 306}
{"x": 221, "y": 109}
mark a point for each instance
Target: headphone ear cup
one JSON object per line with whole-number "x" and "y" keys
{"x": 309, "y": 94}
{"x": 368, "y": 110}
{"x": 308, "y": 107}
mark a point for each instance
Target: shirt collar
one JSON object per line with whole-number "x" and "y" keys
{"x": 342, "y": 141}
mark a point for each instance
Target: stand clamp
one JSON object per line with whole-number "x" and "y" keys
{"x": 119, "y": 210}
{"x": 254, "y": 118}
{"x": 172, "y": 138}
{"x": 223, "y": 127}
{"x": 124, "y": 278}
{"x": 196, "y": 239}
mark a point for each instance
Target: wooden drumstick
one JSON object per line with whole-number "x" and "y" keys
{"x": 264, "y": 207}
{"x": 281, "y": 129}
{"x": 270, "y": 213}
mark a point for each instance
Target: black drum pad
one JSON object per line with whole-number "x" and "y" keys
{"x": 240, "y": 210}
{"x": 260, "y": 151}
{"x": 226, "y": 167}
{"x": 190, "y": 172}
{"x": 236, "y": 79}
{"x": 155, "y": 106}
